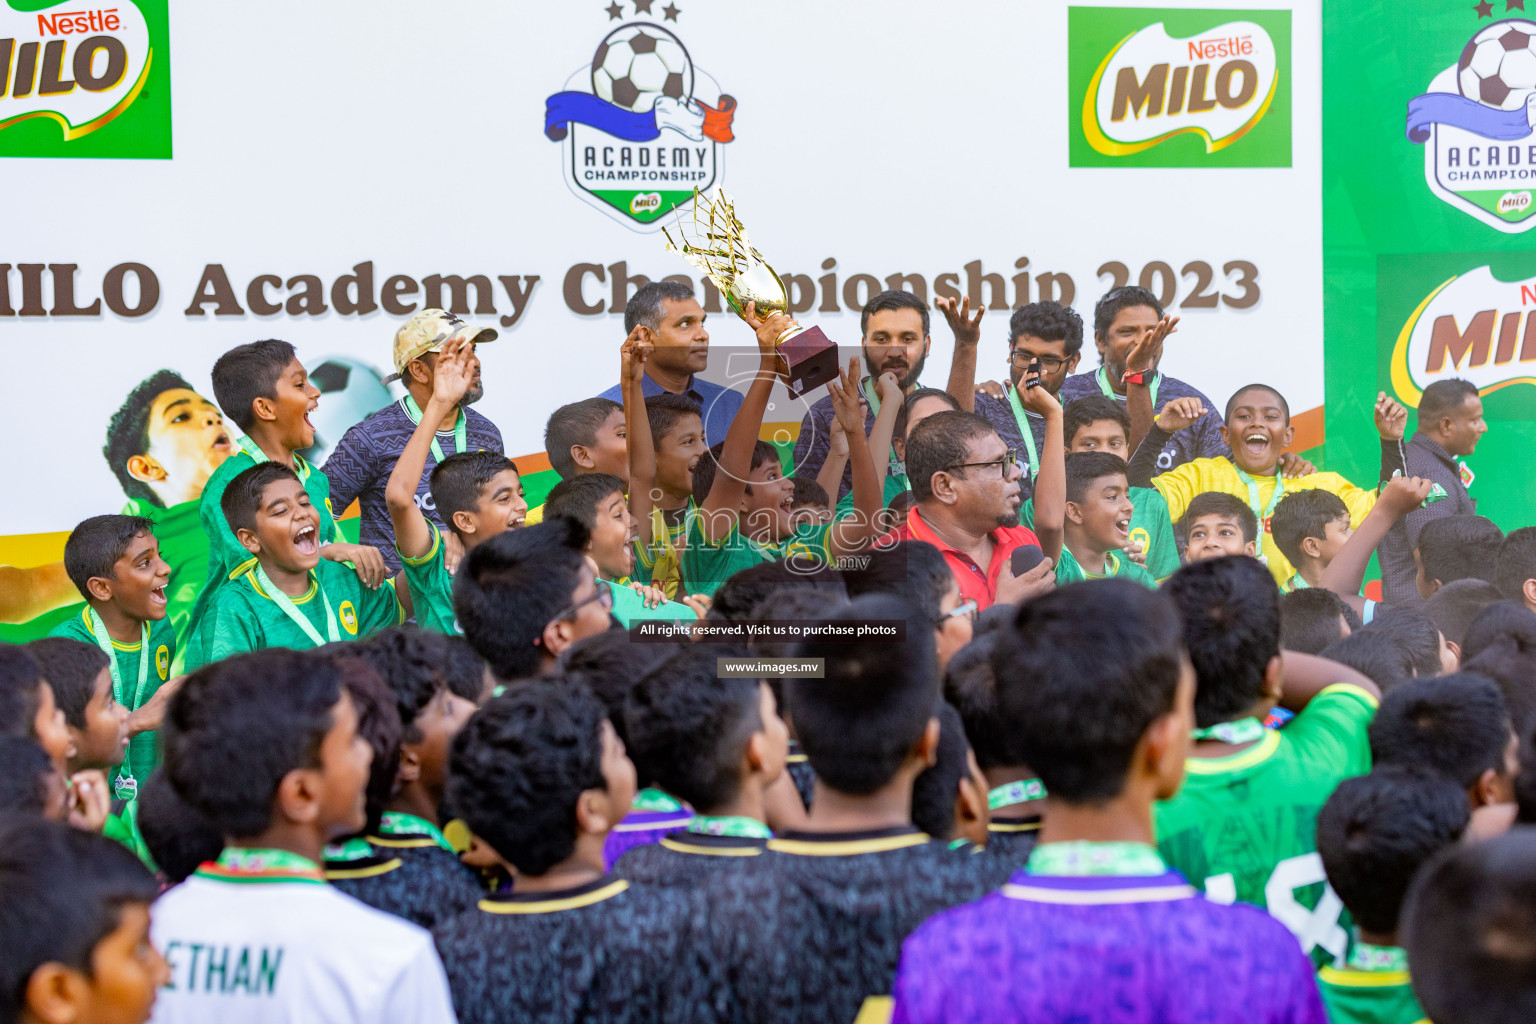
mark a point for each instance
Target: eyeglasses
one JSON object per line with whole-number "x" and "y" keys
{"x": 602, "y": 596}
{"x": 968, "y": 609}
{"x": 1009, "y": 459}
{"x": 1048, "y": 364}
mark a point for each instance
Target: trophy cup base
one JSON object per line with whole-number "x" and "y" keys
{"x": 810, "y": 361}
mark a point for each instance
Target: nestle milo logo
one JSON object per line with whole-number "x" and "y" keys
{"x": 69, "y": 70}
{"x": 1472, "y": 326}
{"x": 1159, "y": 79}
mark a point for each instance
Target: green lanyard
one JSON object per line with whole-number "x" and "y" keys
{"x": 395, "y": 823}
{"x": 1366, "y": 957}
{"x": 460, "y": 429}
{"x": 300, "y": 467}
{"x": 1029, "y": 435}
{"x": 1109, "y": 392}
{"x": 252, "y": 861}
{"x": 1297, "y": 583}
{"x": 1253, "y": 503}
{"x": 125, "y": 786}
{"x": 354, "y": 849}
{"x": 1020, "y": 792}
{"x": 1244, "y": 730}
{"x": 730, "y": 825}
{"x": 285, "y": 602}
{"x": 654, "y": 800}
{"x": 1081, "y": 859}
{"x": 897, "y": 467}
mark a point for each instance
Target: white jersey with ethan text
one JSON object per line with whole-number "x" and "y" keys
{"x": 253, "y": 948}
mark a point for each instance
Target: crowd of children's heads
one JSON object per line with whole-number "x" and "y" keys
{"x": 801, "y": 794}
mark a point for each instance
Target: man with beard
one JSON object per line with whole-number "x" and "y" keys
{"x": 895, "y": 329}
{"x": 360, "y": 465}
{"x": 966, "y": 482}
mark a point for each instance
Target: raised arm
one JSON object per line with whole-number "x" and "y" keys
{"x": 1346, "y": 573}
{"x": 413, "y": 534}
{"x": 1177, "y": 415}
{"x": 637, "y": 428}
{"x": 1051, "y": 483}
{"x": 1391, "y": 424}
{"x": 883, "y": 429}
{"x": 962, "y": 365}
{"x": 722, "y": 505}
{"x": 853, "y": 533}
{"x": 1307, "y": 675}
{"x": 830, "y": 477}
{"x": 1143, "y": 358}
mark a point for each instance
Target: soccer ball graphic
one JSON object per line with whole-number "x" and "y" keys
{"x": 1498, "y": 66}
{"x": 635, "y": 65}
{"x": 349, "y": 391}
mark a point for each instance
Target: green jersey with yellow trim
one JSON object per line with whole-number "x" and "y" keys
{"x": 1243, "y": 826}
{"x": 1068, "y": 570}
{"x": 225, "y": 552}
{"x": 1368, "y": 997}
{"x": 243, "y": 617}
{"x": 706, "y": 564}
{"x": 143, "y": 753}
{"x": 658, "y": 565}
{"x": 1150, "y": 524}
{"x": 431, "y": 587}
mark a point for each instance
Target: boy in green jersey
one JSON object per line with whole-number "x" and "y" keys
{"x": 115, "y": 562}
{"x": 265, "y": 390}
{"x": 1242, "y": 827}
{"x": 1097, "y": 529}
{"x": 163, "y": 444}
{"x": 478, "y": 494}
{"x": 1374, "y": 834}
{"x": 743, "y": 498}
{"x": 1099, "y": 424}
{"x": 596, "y": 501}
{"x": 287, "y": 595}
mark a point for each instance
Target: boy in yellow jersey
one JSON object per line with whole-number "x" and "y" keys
{"x": 1257, "y": 429}
{"x": 1374, "y": 834}
{"x": 478, "y": 495}
{"x": 288, "y": 596}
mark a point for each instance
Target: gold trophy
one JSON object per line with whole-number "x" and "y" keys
{"x": 714, "y": 241}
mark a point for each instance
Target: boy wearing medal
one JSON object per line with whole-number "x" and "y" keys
{"x": 1257, "y": 429}
{"x": 115, "y": 562}
{"x": 286, "y": 595}
{"x": 266, "y": 391}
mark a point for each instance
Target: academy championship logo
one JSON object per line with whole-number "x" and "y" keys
{"x": 1475, "y": 126}
{"x": 83, "y": 79}
{"x": 641, "y": 126}
{"x": 1179, "y": 88}
{"x": 1472, "y": 326}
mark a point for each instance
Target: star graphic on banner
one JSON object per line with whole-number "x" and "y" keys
{"x": 1484, "y": 9}
{"x": 671, "y": 12}
{"x": 643, "y": 6}
{"x": 615, "y": 12}
{"x": 1514, "y": 5}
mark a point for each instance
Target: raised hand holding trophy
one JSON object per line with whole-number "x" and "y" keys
{"x": 714, "y": 241}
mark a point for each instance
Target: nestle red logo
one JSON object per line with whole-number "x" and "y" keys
{"x": 1210, "y": 49}
{"x": 65, "y": 22}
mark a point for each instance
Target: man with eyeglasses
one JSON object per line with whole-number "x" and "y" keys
{"x": 1045, "y": 341}
{"x": 967, "y": 485}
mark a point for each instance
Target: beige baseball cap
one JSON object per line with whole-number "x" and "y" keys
{"x": 428, "y": 331}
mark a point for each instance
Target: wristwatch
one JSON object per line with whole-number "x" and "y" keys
{"x": 1136, "y": 377}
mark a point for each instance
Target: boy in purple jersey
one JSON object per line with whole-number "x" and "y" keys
{"x": 1096, "y": 926}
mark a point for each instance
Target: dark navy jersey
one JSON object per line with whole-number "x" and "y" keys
{"x": 611, "y": 951}
{"x": 424, "y": 885}
{"x": 1201, "y": 440}
{"x": 682, "y": 858}
{"x": 359, "y": 467}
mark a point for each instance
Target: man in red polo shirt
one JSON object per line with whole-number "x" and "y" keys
{"x": 966, "y": 483}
